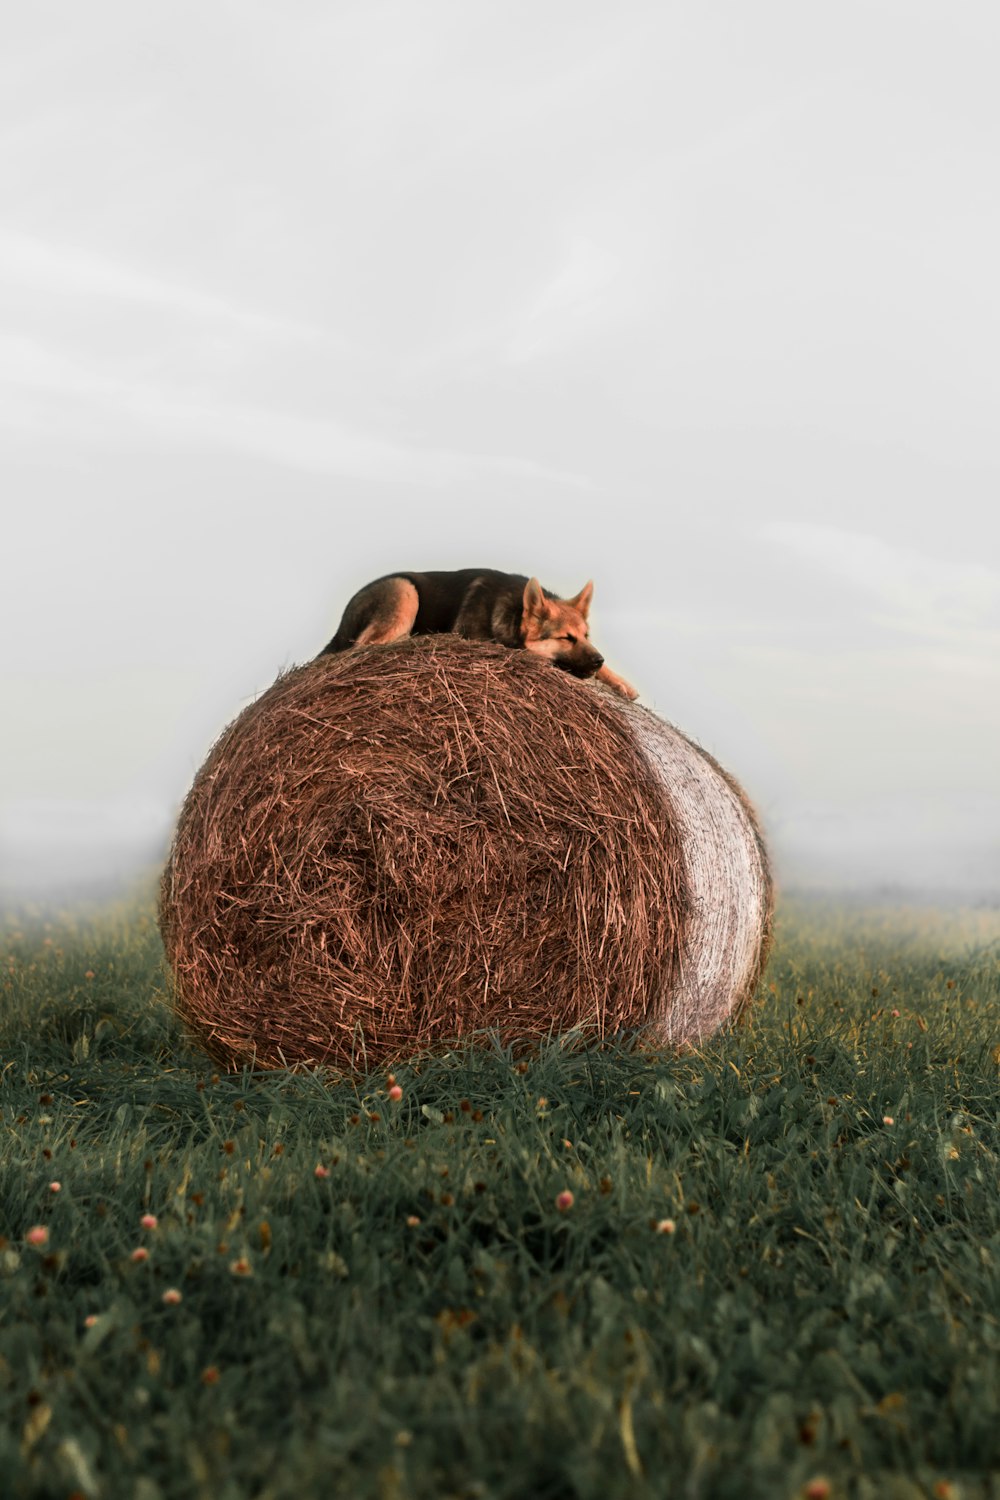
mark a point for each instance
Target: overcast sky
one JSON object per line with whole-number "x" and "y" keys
{"x": 698, "y": 300}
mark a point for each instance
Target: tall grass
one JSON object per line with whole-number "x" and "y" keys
{"x": 778, "y": 1267}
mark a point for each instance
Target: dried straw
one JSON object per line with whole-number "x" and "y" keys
{"x": 727, "y": 934}
{"x": 400, "y": 845}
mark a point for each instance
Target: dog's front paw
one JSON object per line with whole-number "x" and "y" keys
{"x": 617, "y": 684}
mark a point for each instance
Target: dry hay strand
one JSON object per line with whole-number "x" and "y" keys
{"x": 400, "y": 845}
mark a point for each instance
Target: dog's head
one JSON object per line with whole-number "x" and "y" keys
{"x": 557, "y": 629}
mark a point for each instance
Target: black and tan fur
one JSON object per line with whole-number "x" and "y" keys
{"x": 479, "y": 604}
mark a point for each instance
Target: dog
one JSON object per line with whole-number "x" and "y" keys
{"x": 479, "y": 604}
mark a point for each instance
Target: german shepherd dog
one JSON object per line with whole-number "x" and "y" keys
{"x": 479, "y": 604}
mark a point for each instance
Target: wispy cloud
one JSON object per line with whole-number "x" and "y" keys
{"x": 326, "y": 446}
{"x": 89, "y": 401}
{"x": 569, "y": 303}
{"x": 923, "y": 595}
{"x": 579, "y": 296}
{"x": 63, "y": 270}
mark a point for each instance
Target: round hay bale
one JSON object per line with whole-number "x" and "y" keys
{"x": 399, "y": 845}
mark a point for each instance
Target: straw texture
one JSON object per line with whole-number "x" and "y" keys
{"x": 399, "y": 845}
{"x": 727, "y": 931}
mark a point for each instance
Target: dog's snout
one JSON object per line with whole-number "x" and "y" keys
{"x": 598, "y": 660}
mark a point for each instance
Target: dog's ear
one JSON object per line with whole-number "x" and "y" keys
{"x": 535, "y": 605}
{"x": 583, "y": 598}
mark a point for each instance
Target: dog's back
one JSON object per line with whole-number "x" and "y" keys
{"x": 467, "y": 601}
{"x": 481, "y": 604}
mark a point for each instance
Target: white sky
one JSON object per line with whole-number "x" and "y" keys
{"x": 700, "y": 301}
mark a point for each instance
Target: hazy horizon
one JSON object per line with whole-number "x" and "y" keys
{"x": 698, "y": 302}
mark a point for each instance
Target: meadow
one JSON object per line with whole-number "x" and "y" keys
{"x": 768, "y": 1267}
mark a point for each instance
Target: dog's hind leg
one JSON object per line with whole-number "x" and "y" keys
{"x": 394, "y": 614}
{"x": 382, "y": 611}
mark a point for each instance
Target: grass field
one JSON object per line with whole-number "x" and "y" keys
{"x": 780, "y": 1268}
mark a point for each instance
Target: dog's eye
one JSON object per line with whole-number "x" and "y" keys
{"x": 570, "y": 638}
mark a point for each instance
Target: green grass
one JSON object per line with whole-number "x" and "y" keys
{"x": 425, "y": 1321}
